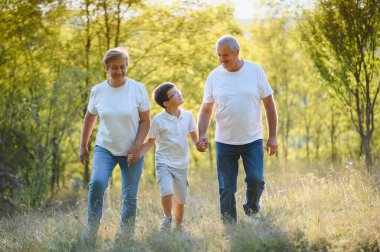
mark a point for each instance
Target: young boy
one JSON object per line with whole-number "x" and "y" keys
{"x": 169, "y": 131}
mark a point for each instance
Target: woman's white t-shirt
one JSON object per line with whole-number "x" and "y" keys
{"x": 118, "y": 110}
{"x": 237, "y": 97}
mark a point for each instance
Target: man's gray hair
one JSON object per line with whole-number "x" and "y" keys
{"x": 228, "y": 40}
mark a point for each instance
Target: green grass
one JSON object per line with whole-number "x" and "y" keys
{"x": 313, "y": 208}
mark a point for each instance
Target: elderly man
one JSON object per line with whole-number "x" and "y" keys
{"x": 236, "y": 89}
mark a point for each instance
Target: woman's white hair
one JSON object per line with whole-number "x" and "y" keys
{"x": 228, "y": 40}
{"x": 115, "y": 53}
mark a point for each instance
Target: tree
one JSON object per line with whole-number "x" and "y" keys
{"x": 343, "y": 40}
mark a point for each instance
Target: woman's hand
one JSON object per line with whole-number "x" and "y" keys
{"x": 88, "y": 126}
{"x": 142, "y": 131}
{"x": 135, "y": 153}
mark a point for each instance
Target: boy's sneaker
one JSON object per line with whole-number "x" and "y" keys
{"x": 166, "y": 224}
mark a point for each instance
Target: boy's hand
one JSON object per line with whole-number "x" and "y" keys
{"x": 129, "y": 159}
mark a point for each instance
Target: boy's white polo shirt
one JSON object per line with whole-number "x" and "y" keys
{"x": 171, "y": 132}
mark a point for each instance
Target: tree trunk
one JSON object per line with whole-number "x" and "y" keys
{"x": 54, "y": 166}
{"x": 211, "y": 147}
{"x": 86, "y": 174}
{"x": 367, "y": 152}
{"x": 118, "y": 20}
{"x": 106, "y": 24}
{"x": 307, "y": 137}
{"x": 332, "y": 135}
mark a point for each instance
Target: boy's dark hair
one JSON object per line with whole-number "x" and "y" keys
{"x": 160, "y": 94}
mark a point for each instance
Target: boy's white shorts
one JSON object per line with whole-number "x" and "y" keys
{"x": 172, "y": 181}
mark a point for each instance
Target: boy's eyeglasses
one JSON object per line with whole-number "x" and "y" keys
{"x": 176, "y": 93}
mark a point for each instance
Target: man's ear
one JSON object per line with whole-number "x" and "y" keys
{"x": 165, "y": 103}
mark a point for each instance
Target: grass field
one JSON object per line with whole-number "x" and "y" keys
{"x": 304, "y": 208}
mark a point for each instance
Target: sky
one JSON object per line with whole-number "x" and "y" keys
{"x": 249, "y": 9}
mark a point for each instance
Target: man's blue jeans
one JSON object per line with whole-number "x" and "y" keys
{"x": 102, "y": 166}
{"x": 227, "y": 164}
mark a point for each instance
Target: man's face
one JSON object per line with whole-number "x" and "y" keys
{"x": 228, "y": 58}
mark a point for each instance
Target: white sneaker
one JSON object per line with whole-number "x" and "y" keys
{"x": 166, "y": 224}
{"x": 255, "y": 218}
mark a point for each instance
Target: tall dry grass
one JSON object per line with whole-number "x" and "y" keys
{"x": 304, "y": 208}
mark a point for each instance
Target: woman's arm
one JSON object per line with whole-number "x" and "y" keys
{"x": 88, "y": 126}
{"x": 143, "y": 130}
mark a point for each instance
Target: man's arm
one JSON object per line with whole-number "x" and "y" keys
{"x": 204, "y": 117}
{"x": 271, "y": 115}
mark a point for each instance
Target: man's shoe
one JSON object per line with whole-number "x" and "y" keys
{"x": 254, "y": 218}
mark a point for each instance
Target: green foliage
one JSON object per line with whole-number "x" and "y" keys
{"x": 343, "y": 40}
{"x": 50, "y": 57}
{"x": 38, "y": 99}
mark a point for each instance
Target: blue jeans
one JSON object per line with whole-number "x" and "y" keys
{"x": 102, "y": 166}
{"x": 227, "y": 164}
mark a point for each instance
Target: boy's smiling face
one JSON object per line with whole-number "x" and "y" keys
{"x": 175, "y": 98}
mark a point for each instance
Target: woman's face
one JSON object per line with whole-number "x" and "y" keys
{"x": 117, "y": 69}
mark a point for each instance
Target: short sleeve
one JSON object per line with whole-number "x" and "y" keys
{"x": 91, "y": 104}
{"x": 154, "y": 129}
{"x": 264, "y": 87}
{"x": 144, "y": 104}
{"x": 207, "y": 95}
{"x": 192, "y": 124}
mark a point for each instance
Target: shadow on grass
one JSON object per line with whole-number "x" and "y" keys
{"x": 158, "y": 241}
{"x": 261, "y": 234}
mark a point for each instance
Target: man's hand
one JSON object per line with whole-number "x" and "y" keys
{"x": 271, "y": 146}
{"x": 83, "y": 154}
{"x": 202, "y": 144}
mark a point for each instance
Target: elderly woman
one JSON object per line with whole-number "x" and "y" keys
{"x": 122, "y": 105}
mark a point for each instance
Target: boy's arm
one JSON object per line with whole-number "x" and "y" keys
{"x": 194, "y": 137}
{"x": 147, "y": 145}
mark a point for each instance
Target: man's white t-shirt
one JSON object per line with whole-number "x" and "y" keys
{"x": 118, "y": 110}
{"x": 237, "y": 97}
{"x": 171, "y": 133}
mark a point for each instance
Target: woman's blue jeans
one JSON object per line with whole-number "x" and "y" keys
{"x": 102, "y": 166}
{"x": 227, "y": 165}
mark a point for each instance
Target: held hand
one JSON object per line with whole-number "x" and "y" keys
{"x": 202, "y": 144}
{"x": 83, "y": 155}
{"x": 129, "y": 159}
{"x": 135, "y": 152}
{"x": 271, "y": 146}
